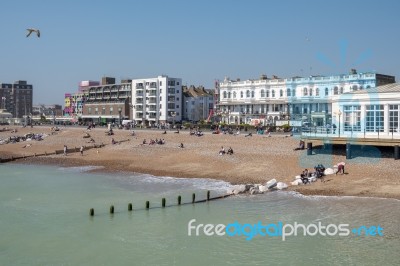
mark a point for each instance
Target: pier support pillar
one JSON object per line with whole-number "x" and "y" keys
{"x": 348, "y": 151}
{"x": 193, "y": 198}
{"x": 309, "y": 148}
{"x": 112, "y": 209}
{"x": 396, "y": 152}
{"x": 147, "y": 204}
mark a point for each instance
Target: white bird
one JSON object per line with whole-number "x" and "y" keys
{"x": 33, "y": 30}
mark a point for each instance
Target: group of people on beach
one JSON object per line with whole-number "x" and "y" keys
{"x": 152, "y": 141}
{"x": 222, "y": 151}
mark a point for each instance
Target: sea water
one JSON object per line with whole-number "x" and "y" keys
{"x": 44, "y": 220}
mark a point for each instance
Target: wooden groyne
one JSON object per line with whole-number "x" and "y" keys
{"x": 164, "y": 203}
{"x": 57, "y": 152}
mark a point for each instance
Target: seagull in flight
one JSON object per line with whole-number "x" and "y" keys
{"x": 30, "y": 30}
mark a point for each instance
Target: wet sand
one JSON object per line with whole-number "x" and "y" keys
{"x": 256, "y": 159}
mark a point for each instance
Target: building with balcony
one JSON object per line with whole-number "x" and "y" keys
{"x": 296, "y": 100}
{"x": 108, "y": 102}
{"x": 156, "y": 100}
{"x": 17, "y": 98}
{"x": 198, "y": 103}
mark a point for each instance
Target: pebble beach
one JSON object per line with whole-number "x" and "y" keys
{"x": 256, "y": 159}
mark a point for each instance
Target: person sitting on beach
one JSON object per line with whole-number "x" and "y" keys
{"x": 144, "y": 141}
{"x": 165, "y": 132}
{"x": 181, "y": 146}
{"x": 230, "y": 151}
{"x": 249, "y": 135}
{"x": 304, "y": 177}
{"x": 65, "y": 150}
{"x": 91, "y": 140}
{"x": 301, "y": 146}
{"x": 177, "y": 131}
{"x": 113, "y": 141}
{"x": 222, "y": 151}
{"x": 133, "y": 133}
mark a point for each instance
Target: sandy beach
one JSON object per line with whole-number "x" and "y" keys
{"x": 256, "y": 159}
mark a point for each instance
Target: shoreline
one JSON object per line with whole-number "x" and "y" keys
{"x": 256, "y": 159}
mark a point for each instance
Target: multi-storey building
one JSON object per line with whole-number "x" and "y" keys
{"x": 108, "y": 102}
{"x": 73, "y": 102}
{"x": 268, "y": 100}
{"x": 17, "y": 98}
{"x": 198, "y": 103}
{"x": 157, "y": 100}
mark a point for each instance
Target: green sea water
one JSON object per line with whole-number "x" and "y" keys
{"x": 44, "y": 220}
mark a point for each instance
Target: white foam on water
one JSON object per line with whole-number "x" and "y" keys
{"x": 198, "y": 183}
{"x": 320, "y": 197}
{"x": 80, "y": 169}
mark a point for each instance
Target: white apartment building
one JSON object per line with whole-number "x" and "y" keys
{"x": 156, "y": 100}
{"x": 301, "y": 99}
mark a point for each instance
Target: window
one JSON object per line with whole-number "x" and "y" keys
{"x": 267, "y": 93}
{"x": 262, "y": 93}
{"x": 305, "y": 92}
{"x": 111, "y": 110}
{"x": 177, "y": 83}
{"x": 234, "y": 94}
{"x": 335, "y": 90}
{"x": 171, "y": 90}
{"x": 247, "y": 94}
{"x": 273, "y": 93}
{"x": 317, "y": 92}
{"x": 241, "y": 94}
{"x": 171, "y": 105}
{"x": 374, "y": 118}
{"x": 224, "y": 94}
{"x": 352, "y": 118}
{"x": 341, "y": 90}
{"x": 229, "y": 94}
{"x": 311, "y": 92}
{"x": 103, "y": 111}
{"x": 326, "y": 92}
{"x": 171, "y": 82}
{"x": 280, "y": 93}
{"x": 394, "y": 114}
{"x": 294, "y": 92}
{"x": 160, "y": 84}
{"x": 252, "y": 94}
{"x": 96, "y": 111}
{"x": 90, "y": 110}
{"x": 288, "y": 92}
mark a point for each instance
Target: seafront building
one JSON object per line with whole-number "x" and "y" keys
{"x": 197, "y": 103}
{"x": 108, "y": 102}
{"x": 156, "y": 101}
{"x": 372, "y": 112}
{"x": 17, "y": 98}
{"x": 297, "y": 100}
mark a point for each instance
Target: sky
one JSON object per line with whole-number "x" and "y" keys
{"x": 198, "y": 41}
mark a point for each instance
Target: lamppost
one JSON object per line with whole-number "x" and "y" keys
{"x": 119, "y": 113}
{"x": 3, "y": 102}
{"x": 339, "y": 113}
{"x": 173, "y": 114}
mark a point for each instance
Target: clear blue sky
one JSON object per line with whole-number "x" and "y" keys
{"x": 198, "y": 41}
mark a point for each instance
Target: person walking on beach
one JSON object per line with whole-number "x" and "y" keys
{"x": 81, "y": 150}
{"x": 65, "y": 150}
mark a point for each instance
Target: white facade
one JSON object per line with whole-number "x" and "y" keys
{"x": 308, "y": 99}
{"x": 371, "y": 113}
{"x": 156, "y": 100}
